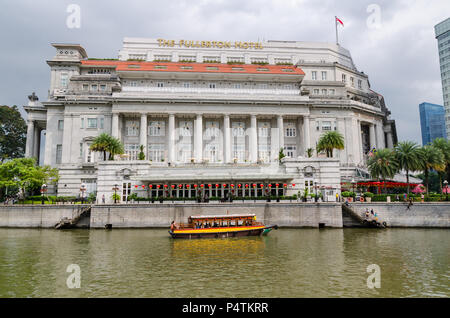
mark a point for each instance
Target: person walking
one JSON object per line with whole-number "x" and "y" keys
{"x": 103, "y": 199}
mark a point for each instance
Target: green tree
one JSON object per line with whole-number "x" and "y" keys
{"x": 281, "y": 154}
{"x": 383, "y": 164}
{"x": 105, "y": 143}
{"x": 329, "y": 141}
{"x": 444, "y": 145}
{"x": 309, "y": 152}
{"x": 13, "y": 132}
{"x": 141, "y": 153}
{"x": 24, "y": 174}
{"x": 408, "y": 156}
{"x": 432, "y": 159}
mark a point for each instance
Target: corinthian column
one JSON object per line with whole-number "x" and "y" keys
{"x": 171, "y": 146}
{"x": 306, "y": 126}
{"x": 115, "y": 125}
{"x": 280, "y": 132}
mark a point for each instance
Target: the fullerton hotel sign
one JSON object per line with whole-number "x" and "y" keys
{"x": 210, "y": 44}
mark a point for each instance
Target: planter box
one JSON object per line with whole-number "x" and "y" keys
{"x": 368, "y": 199}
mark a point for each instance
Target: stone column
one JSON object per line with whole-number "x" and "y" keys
{"x": 30, "y": 141}
{"x": 253, "y": 140}
{"x": 67, "y": 139}
{"x": 306, "y": 127}
{"x": 37, "y": 143}
{"x": 115, "y": 125}
{"x": 198, "y": 138}
{"x": 143, "y": 133}
{"x": 390, "y": 143}
{"x": 280, "y": 132}
{"x": 372, "y": 136}
{"x": 380, "y": 136}
{"x": 171, "y": 144}
{"x": 226, "y": 139}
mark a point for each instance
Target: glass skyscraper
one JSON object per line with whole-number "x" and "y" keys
{"x": 432, "y": 122}
{"x": 442, "y": 31}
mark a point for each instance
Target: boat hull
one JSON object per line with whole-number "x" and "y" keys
{"x": 218, "y": 233}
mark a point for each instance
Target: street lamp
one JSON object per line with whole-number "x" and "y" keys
{"x": 446, "y": 189}
{"x": 116, "y": 188}
{"x": 83, "y": 189}
{"x": 353, "y": 187}
{"x": 43, "y": 190}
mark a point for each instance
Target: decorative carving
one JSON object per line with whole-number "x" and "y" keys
{"x": 33, "y": 97}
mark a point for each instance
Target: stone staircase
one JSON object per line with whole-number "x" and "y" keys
{"x": 67, "y": 223}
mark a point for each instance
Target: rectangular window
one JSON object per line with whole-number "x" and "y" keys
{"x": 239, "y": 152}
{"x": 186, "y": 128}
{"x": 82, "y": 122}
{"x": 64, "y": 80}
{"x": 236, "y": 85}
{"x": 102, "y": 123}
{"x": 132, "y": 127}
{"x": 344, "y": 78}
{"x": 332, "y": 91}
{"x": 60, "y": 124}
{"x": 212, "y": 152}
{"x": 156, "y": 152}
{"x": 263, "y": 129}
{"x": 212, "y": 85}
{"x": 314, "y": 75}
{"x": 85, "y": 87}
{"x": 290, "y": 131}
{"x": 211, "y": 129}
{"x": 316, "y": 91}
{"x": 326, "y": 125}
{"x": 81, "y": 150}
{"x": 352, "y": 81}
{"x": 94, "y": 87}
{"x": 238, "y": 129}
{"x": 92, "y": 123}
{"x": 288, "y": 86}
{"x": 360, "y": 84}
{"x": 157, "y": 128}
{"x": 58, "y": 154}
{"x": 186, "y": 85}
{"x": 324, "y": 91}
{"x": 160, "y": 84}
{"x": 290, "y": 151}
{"x": 264, "y": 152}
{"x": 324, "y": 76}
{"x": 132, "y": 151}
{"x": 103, "y": 87}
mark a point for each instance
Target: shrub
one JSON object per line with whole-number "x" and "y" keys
{"x": 347, "y": 194}
{"x": 368, "y": 194}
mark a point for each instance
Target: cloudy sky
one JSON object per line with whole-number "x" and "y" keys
{"x": 396, "y": 48}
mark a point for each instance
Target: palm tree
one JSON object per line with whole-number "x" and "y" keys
{"x": 408, "y": 157}
{"x": 106, "y": 143}
{"x": 100, "y": 144}
{"x": 383, "y": 164}
{"x": 443, "y": 145}
{"x": 115, "y": 148}
{"x": 329, "y": 141}
{"x": 432, "y": 158}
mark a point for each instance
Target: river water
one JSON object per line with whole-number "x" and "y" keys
{"x": 286, "y": 263}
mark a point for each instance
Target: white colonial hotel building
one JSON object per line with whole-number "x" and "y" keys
{"x": 211, "y": 116}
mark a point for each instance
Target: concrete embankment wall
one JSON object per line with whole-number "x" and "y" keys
{"x": 161, "y": 215}
{"x": 42, "y": 216}
{"x": 396, "y": 214}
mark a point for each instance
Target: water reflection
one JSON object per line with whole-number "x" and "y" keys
{"x": 287, "y": 263}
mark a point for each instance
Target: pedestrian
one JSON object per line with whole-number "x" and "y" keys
{"x": 409, "y": 204}
{"x": 398, "y": 199}
{"x": 371, "y": 212}
{"x": 103, "y": 198}
{"x": 422, "y": 197}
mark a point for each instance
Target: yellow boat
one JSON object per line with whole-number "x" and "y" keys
{"x": 215, "y": 226}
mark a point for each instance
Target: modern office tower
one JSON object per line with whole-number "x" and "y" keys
{"x": 432, "y": 122}
{"x": 442, "y": 31}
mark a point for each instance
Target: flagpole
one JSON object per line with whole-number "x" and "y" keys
{"x": 335, "y": 25}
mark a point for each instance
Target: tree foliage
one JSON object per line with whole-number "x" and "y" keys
{"x": 13, "y": 132}
{"x": 24, "y": 174}
{"x": 383, "y": 164}
{"x": 432, "y": 159}
{"x": 107, "y": 144}
{"x": 329, "y": 141}
{"x": 409, "y": 158}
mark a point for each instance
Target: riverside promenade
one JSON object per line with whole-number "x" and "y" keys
{"x": 284, "y": 214}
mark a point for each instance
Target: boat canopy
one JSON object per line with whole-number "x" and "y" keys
{"x": 224, "y": 216}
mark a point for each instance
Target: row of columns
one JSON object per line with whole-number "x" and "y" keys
{"x": 198, "y": 135}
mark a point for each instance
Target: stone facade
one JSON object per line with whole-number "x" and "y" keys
{"x": 211, "y": 116}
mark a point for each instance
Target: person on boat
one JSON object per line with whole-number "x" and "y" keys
{"x": 172, "y": 226}
{"x": 371, "y": 212}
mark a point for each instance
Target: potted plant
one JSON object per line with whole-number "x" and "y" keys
{"x": 348, "y": 195}
{"x": 368, "y": 196}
